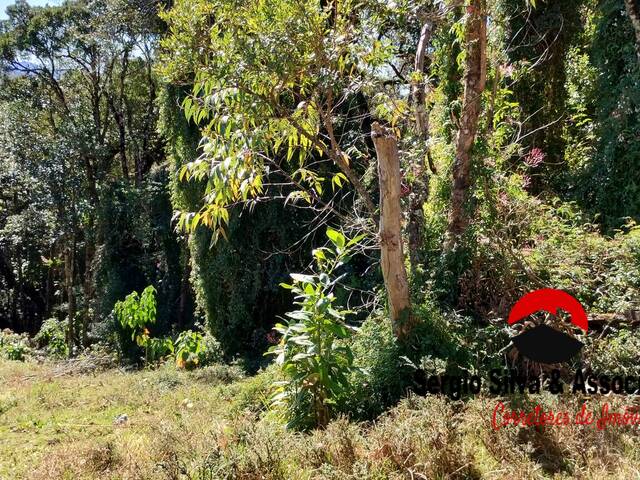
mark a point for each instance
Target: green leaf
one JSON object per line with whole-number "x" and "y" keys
{"x": 336, "y": 238}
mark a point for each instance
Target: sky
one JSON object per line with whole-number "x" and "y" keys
{"x": 5, "y": 3}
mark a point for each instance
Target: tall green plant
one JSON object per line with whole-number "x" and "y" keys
{"x": 311, "y": 353}
{"x": 135, "y": 313}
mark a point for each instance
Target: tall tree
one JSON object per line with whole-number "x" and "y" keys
{"x": 474, "y": 83}
{"x": 420, "y": 185}
{"x": 284, "y": 114}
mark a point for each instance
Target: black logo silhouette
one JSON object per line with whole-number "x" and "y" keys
{"x": 542, "y": 343}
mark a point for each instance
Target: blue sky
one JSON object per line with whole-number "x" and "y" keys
{"x": 5, "y": 3}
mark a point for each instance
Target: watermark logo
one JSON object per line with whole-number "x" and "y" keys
{"x": 543, "y": 343}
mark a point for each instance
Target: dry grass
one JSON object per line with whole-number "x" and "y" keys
{"x": 197, "y": 426}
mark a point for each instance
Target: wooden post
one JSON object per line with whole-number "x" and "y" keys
{"x": 392, "y": 255}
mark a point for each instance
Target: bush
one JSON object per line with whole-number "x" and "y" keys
{"x": 14, "y": 346}
{"x": 192, "y": 349}
{"x": 52, "y": 337}
{"x": 614, "y": 354}
{"x": 517, "y": 244}
{"x": 380, "y": 377}
{"x": 602, "y": 272}
{"x": 441, "y": 343}
{"x": 157, "y": 349}
{"x": 134, "y": 314}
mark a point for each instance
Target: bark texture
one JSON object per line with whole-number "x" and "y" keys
{"x": 419, "y": 88}
{"x": 474, "y": 83}
{"x": 420, "y": 186}
{"x": 392, "y": 255}
{"x": 69, "y": 275}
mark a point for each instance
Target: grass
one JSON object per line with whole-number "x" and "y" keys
{"x": 211, "y": 424}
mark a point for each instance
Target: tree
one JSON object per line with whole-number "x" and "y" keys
{"x": 92, "y": 100}
{"x": 420, "y": 191}
{"x": 474, "y": 83}
{"x": 284, "y": 105}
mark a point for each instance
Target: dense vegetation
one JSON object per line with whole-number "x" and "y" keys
{"x": 347, "y": 196}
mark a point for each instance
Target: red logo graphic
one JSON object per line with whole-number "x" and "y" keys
{"x": 542, "y": 343}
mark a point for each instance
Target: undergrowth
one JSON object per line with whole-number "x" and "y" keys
{"x": 214, "y": 427}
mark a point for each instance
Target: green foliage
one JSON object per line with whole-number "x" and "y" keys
{"x": 614, "y": 354}
{"x": 519, "y": 242}
{"x": 52, "y": 337}
{"x": 541, "y": 73}
{"x": 442, "y": 343}
{"x": 136, "y": 312}
{"x": 14, "y": 346}
{"x": 157, "y": 349}
{"x": 312, "y": 353}
{"x": 78, "y": 82}
{"x": 192, "y": 350}
{"x": 603, "y": 273}
{"x": 380, "y": 377}
{"x": 611, "y": 181}
{"x": 268, "y": 116}
{"x": 235, "y": 282}
{"x": 140, "y": 248}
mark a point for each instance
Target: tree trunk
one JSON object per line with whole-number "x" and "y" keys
{"x": 122, "y": 143}
{"x": 89, "y": 254}
{"x": 69, "y": 275}
{"x": 475, "y": 77}
{"x": 184, "y": 290}
{"x": 420, "y": 186}
{"x": 419, "y": 88}
{"x": 633, "y": 10}
{"x": 392, "y": 255}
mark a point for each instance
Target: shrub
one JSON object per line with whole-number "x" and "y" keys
{"x": 602, "y": 272}
{"x": 52, "y": 337}
{"x": 193, "y": 350}
{"x": 14, "y": 346}
{"x": 442, "y": 343}
{"x": 615, "y": 354}
{"x": 157, "y": 349}
{"x": 134, "y": 314}
{"x": 312, "y": 354}
{"x": 380, "y": 377}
